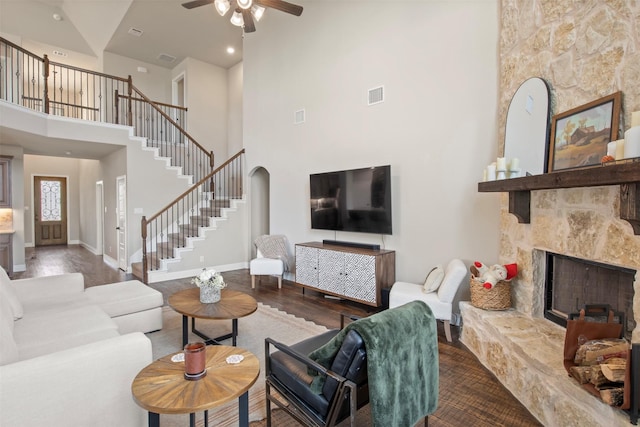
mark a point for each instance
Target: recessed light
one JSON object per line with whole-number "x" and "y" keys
{"x": 230, "y": 50}
{"x": 57, "y": 17}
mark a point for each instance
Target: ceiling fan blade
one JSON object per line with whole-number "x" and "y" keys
{"x": 249, "y": 26}
{"x": 282, "y": 6}
{"x": 196, "y": 3}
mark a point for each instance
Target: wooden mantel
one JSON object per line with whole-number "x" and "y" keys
{"x": 626, "y": 174}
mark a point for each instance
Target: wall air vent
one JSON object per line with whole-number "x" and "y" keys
{"x": 376, "y": 95}
{"x": 298, "y": 117}
{"x": 165, "y": 57}
{"x": 60, "y": 53}
{"x": 135, "y": 32}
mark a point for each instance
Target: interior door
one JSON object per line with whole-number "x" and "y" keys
{"x": 121, "y": 229}
{"x": 50, "y": 213}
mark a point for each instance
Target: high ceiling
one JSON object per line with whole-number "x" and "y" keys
{"x": 92, "y": 26}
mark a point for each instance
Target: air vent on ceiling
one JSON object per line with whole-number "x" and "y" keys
{"x": 165, "y": 57}
{"x": 135, "y": 32}
{"x": 298, "y": 117}
{"x": 60, "y": 53}
{"x": 376, "y": 95}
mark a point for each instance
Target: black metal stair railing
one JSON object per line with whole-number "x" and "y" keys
{"x": 152, "y": 121}
{"x": 63, "y": 90}
{"x": 169, "y": 229}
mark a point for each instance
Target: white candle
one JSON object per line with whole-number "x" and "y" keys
{"x": 491, "y": 172}
{"x": 611, "y": 149}
{"x": 501, "y": 164}
{"x": 620, "y": 149}
{"x": 515, "y": 164}
{"x": 635, "y": 119}
{"x": 484, "y": 174}
{"x": 632, "y": 143}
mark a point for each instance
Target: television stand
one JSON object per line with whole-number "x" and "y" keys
{"x": 345, "y": 272}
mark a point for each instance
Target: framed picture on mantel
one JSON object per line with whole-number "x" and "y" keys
{"x": 579, "y": 137}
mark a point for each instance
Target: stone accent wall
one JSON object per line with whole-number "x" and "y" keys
{"x": 583, "y": 50}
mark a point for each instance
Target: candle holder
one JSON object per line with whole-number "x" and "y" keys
{"x": 195, "y": 356}
{"x": 501, "y": 174}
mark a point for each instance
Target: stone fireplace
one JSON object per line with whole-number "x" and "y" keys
{"x": 523, "y": 348}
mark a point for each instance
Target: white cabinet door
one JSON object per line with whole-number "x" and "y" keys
{"x": 331, "y": 271}
{"x": 360, "y": 277}
{"x": 307, "y": 266}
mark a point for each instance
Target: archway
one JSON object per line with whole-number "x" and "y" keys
{"x": 259, "y": 202}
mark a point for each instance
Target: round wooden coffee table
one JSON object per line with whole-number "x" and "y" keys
{"x": 232, "y": 305}
{"x": 161, "y": 388}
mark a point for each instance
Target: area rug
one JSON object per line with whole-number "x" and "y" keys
{"x": 252, "y": 330}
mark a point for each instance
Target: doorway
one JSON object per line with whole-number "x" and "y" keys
{"x": 99, "y": 218}
{"x": 260, "y": 207}
{"x": 121, "y": 228}
{"x": 50, "y": 216}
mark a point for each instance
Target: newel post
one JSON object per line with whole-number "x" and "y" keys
{"x": 130, "y": 93}
{"x": 212, "y": 186}
{"x": 117, "y": 104}
{"x": 143, "y": 228}
{"x": 45, "y": 74}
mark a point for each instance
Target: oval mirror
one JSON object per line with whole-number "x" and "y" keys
{"x": 527, "y": 127}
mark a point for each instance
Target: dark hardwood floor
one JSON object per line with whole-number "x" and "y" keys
{"x": 470, "y": 395}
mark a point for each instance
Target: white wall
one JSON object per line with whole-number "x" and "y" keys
{"x": 438, "y": 63}
{"x": 206, "y": 100}
{"x": 234, "y": 108}
{"x": 89, "y": 173}
{"x": 155, "y": 83}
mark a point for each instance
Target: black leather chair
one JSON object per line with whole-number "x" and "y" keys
{"x": 343, "y": 392}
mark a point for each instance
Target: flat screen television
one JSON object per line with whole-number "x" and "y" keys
{"x": 352, "y": 200}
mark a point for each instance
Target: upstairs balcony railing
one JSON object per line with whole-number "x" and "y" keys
{"x": 63, "y": 90}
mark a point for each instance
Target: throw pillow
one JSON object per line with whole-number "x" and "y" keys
{"x": 433, "y": 280}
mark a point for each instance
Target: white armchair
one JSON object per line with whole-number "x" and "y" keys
{"x": 262, "y": 266}
{"x": 440, "y": 301}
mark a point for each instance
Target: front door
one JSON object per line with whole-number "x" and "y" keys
{"x": 50, "y": 216}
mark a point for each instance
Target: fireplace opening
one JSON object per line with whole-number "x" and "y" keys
{"x": 572, "y": 283}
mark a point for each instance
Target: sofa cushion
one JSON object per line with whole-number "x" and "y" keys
{"x": 7, "y": 291}
{"x": 118, "y": 299}
{"x": 47, "y": 332}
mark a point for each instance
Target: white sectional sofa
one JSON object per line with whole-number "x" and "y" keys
{"x": 68, "y": 356}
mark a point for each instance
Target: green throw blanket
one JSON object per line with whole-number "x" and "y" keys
{"x": 402, "y": 363}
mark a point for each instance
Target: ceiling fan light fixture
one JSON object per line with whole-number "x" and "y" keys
{"x": 257, "y": 12}
{"x": 222, "y": 6}
{"x": 244, "y": 4}
{"x": 236, "y": 19}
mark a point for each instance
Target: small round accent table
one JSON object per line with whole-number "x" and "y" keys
{"x": 232, "y": 305}
{"x": 161, "y": 388}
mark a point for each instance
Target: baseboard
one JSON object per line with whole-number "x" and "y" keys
{"x": 111, "y": 262}
{"x": 90, "y": 248}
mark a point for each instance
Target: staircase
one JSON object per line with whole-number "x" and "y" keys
{"x": 170, "y": 232}
{"x": 36, "y": 83}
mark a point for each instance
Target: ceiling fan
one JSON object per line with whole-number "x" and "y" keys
{"x": 246, "y": 11}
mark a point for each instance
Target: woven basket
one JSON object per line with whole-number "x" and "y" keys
{"x": 496, "y": 298}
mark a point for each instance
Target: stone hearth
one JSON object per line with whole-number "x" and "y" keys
{"x": 525, "y": 353}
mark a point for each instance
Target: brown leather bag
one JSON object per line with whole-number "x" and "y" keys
{"x": 580, "y": 331}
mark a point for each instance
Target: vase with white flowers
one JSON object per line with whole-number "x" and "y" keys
{"x": 210, "y": 283}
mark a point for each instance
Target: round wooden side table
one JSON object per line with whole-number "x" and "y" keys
{"x": 232, "y": 305}
{"x": 161, "y": 388}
